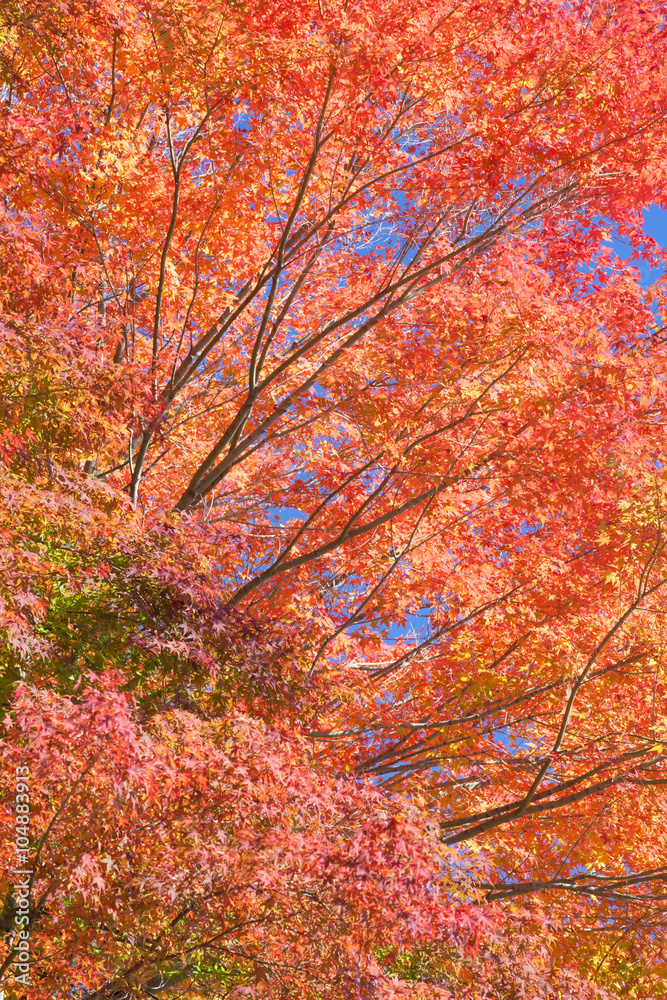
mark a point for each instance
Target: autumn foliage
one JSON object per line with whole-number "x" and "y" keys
{"x": 332, "y": 491}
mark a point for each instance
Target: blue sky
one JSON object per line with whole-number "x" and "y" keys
{"x": 655, "y": 224}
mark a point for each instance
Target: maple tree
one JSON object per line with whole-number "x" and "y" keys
{"x": 333, "y": 495}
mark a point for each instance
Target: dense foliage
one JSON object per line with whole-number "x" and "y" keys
{"x": 332, "y": 492}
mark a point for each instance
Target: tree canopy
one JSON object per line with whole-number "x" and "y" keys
{"x": 332, "y": 490}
